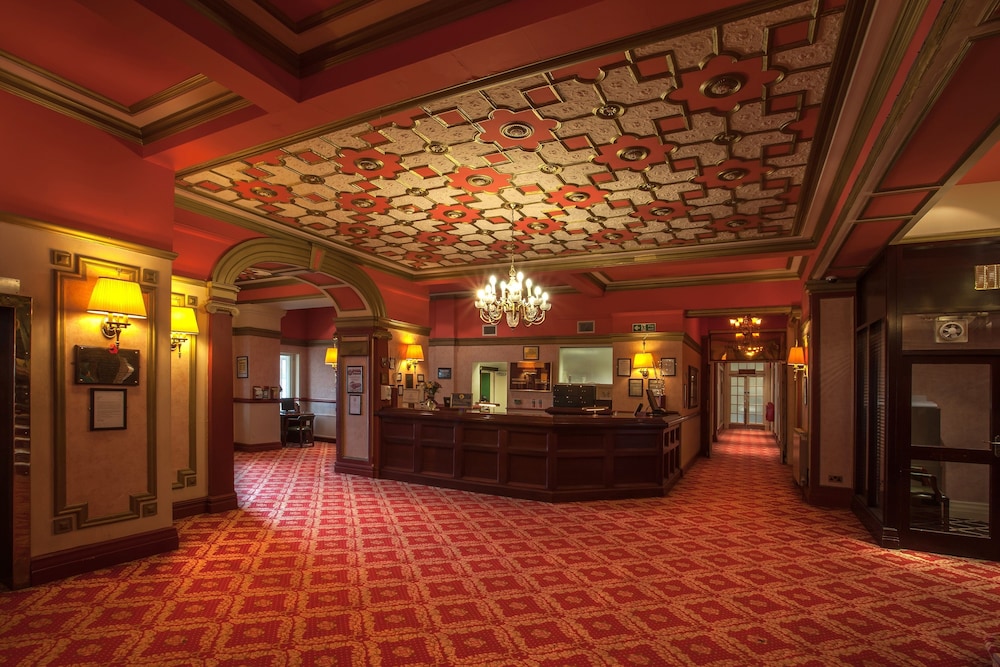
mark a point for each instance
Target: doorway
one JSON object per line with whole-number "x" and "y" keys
{"x": 950, "y": 468}
{"x": 489, "y": 384}
{"x": 15, "y": 442}
{"x": 744, "y": 398}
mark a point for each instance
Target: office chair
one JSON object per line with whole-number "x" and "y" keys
{"x": 299, "y": 431}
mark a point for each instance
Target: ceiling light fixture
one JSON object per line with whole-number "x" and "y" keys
{"x": 183, "y": 323}
{"x": 117, "y": 300}
{"x": 516, "y": 301}
{"x": 747, "y": 335}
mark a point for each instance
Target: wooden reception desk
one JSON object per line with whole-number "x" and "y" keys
{"x": 553, "y": 458}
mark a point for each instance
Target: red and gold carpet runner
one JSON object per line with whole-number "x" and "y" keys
{"x": 732, "y": 568}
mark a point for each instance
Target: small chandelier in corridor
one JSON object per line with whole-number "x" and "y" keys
{"x": 516, "y": 300}
{"x": 747, "y": 335}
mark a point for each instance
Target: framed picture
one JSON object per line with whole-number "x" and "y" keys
{"x": 420, "y": 377}
{"x": 355, "y": 380}
{"x": 98, "y": 365}
{"x": 354, "y": 404}
{"x": 444, "y": 374}
{"x": 399, "y": 378}
{"x": 108, "y": 409}
{"x": 242, "y": 367}
{"x": 530, "y": 353}
{"x": 409, "y": 380}
{"x": 624, "y": 368}
{"x": 635, "y": 387}
{"x": 258, "y": 392}
{"x": 586, "y": 326}
{"x": 668, "y": 366}
{"x": 692, "y": 393}
{"x": 399, "y": 390}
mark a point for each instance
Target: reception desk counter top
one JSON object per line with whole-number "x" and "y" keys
{"x": 554, "y": 458}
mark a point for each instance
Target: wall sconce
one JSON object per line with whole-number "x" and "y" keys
{"x": 183, "y": 323}
{"x": 331, "y": 357}
{"x": 117, "y": 300}
{"x": 414, "y": 353}
{"x": 643, "y": 361}
{"x": 797, "y": 360}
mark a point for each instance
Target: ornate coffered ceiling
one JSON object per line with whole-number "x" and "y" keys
{"x": 680, "y": 139}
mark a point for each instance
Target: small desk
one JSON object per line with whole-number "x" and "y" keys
{"x": 285, "y": 414}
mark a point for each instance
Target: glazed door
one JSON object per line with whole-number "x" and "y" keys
{"x": 950, "y": 476}
{"x": 746, "y": 396}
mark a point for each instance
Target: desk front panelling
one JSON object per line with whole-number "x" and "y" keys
{"x": 547, "y": 458}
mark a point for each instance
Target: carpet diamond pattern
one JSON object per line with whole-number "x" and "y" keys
{"x": 318, "y": 568}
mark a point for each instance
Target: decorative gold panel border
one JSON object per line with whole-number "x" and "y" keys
{"x": 141, "y": 503}
{"x": 189, "y": 476}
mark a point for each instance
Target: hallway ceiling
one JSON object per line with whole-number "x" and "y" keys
{"x": 605, "y": 144}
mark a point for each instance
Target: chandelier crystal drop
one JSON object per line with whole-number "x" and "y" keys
{"x": 516, "y": 301}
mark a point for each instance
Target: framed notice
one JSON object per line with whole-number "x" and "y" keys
{"x": 108, "y": 409}
{"x": 354, "y": 404}
{"x": 624, "y": 368}
{"x": 635, "y": 387}
{"x": 668, "y": 366}
{"x": 355, "y": 380}
{"x": 242, "y": 367}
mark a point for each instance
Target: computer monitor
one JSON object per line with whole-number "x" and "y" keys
{"x": 287, "y": 405}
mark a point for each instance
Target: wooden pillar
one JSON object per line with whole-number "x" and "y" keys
{"x": 221, "y": 486}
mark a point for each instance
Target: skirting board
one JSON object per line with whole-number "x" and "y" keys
{"x": 61, "y": 564}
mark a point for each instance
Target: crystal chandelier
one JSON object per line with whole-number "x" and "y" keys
{"x": 517, "y": 300}
{"x": 747, "y": 335}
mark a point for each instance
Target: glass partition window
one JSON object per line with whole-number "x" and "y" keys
{"x": 586, "y": 365}
{"x": 950, "y": 497}
{"x": 531, "y": 376}
{"x": 950, "y": 407}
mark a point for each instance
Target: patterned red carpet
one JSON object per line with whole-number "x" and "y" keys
{"x": 323, "y": 569}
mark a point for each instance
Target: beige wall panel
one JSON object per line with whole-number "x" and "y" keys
{"x": 835, "y": 396}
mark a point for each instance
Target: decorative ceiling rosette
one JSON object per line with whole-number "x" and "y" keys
{"x": 369, "y": 163}
{"x": 577, "y": 196}
{"x": 723, "y": 83}
{"x": 362, "y": 202}
{"x": 634, "y": 153}
{"x": 517, "y": 129}
{"x": 454, "y": 213}
{"x": 661, "y": 211}
{"x": 732, "y": 174}
{"x": 485, "y": 179}
{"x": 264, "y": 192}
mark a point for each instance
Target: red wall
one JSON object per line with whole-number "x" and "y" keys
{"x": 63, "y": 171}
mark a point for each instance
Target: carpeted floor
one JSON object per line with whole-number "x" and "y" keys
{"x": 323, "y": 569}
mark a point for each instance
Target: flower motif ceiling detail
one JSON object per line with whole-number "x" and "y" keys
{"x": 695, "y": 139}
